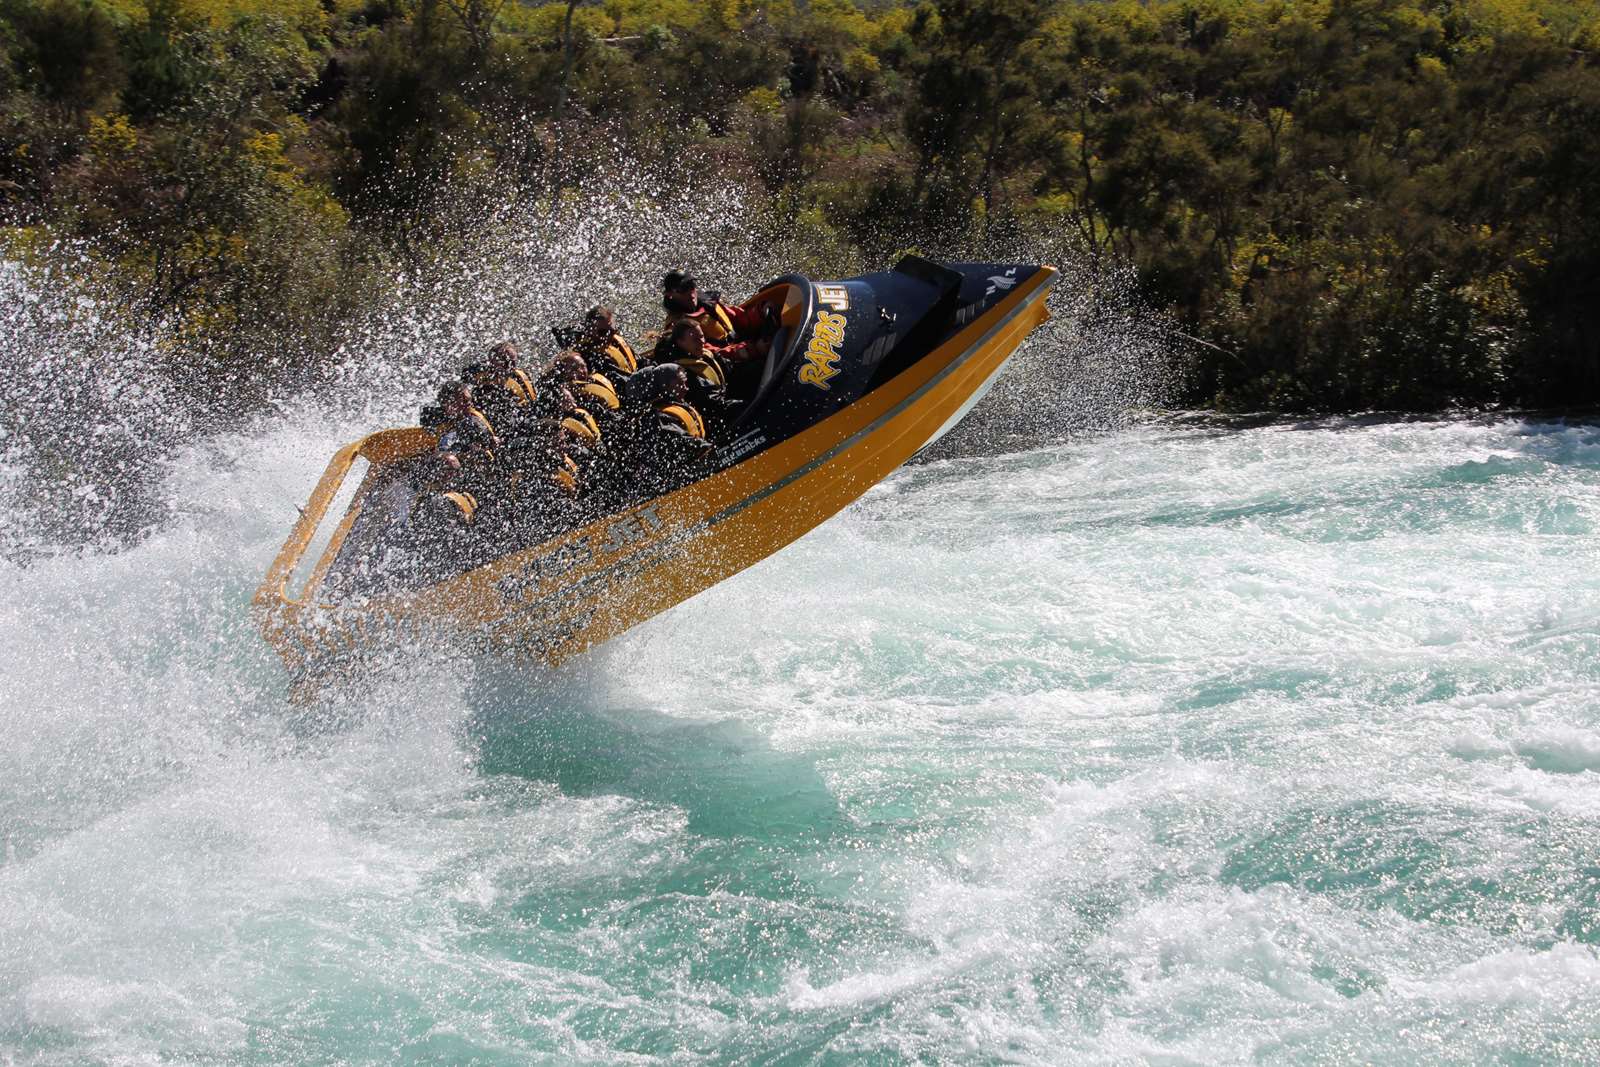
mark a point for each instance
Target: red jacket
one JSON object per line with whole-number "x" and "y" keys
{"x": 733, "y": 345}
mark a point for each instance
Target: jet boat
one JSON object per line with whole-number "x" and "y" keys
{"x": 862, "y": 374}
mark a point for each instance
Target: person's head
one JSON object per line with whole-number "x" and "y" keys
{"x": 598, "y": 322}
{"x": 681, "y": 290}
{"x": 678, "y": 385}
{"x": 688, "y": 336}
{"x": 455, "y": 398}
{"x": 570, "y": 367}
{"x": 652, "y": 385}
{"x": 503, "y": 358}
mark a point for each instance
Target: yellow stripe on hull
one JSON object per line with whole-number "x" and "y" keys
{"x": 575, "y": 591}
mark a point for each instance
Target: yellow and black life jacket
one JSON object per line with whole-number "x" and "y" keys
{"x": 516, "y": 384}
{"x": 481, "y": 419}
{"x": 714, "y": 320}
{"x": 581, "y": 425}
{"x": 442, "y": 426}
{"x": 707, "y": 368}
{"x": 565, "y": 475}
{"x": 599, "y": 387}
{"x": 520, "y": 386}
{"x": 716, "y": 323}
{"x": 465, "y": 503}
{"x": 486, "y": 427}
{"x": 684, "y": 416}
{"x": 619, "y": 353}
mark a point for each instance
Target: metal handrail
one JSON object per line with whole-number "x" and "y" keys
{"x": 379, "y": 449}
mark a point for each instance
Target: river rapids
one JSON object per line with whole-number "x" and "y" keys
{"x": 1169, "y": 742}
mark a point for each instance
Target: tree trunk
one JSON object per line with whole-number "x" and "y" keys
{"x": 986, "y": 179}
{"x": 566, "y": 63}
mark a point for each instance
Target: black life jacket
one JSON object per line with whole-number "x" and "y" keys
{"x": 454, "y": 506}
{"x": 510, "y": 399}
{"x": 581, "y": 424}
{"x": 520, "y": 386}
{"x": 481, "y": 431}
{"x": 481, "y": 421}
{"x": 708, "y": 368}
{"x": 717, "y": 324}
{"x": 565, "y": 476}
{"x": 434, "y": 419}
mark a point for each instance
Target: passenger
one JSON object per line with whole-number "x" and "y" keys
{"x": 615, "y": 476}
{"x": 547, "y": 481}
{"x": 584, "y": 444}
{"x": 463, "y": 429}
{"x": 652, "y": 385}
{"x": 556, "y": 390}
{"x": 444, "y": 494}
{"x": 471, "y": 453}
{"x": 734, "y": 333}
{"x": 599, "y": 400}
{"x": 685, "y": 345}
{"x": 663, "y": 442}
{"x": 504, "y": 392}
{"x": 442, "y": 516}
{"x": 576, "y": 435}
{"x": 602, "y": 346}
{"x": 492, "y": 399}
{"x": 433, "y": 418}
{"x": 556, "y": 384}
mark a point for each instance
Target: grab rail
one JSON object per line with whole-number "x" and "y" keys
{"x": 379, "y": 449}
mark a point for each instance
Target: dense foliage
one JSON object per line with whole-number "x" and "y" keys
{"x": 1348, "y": 203}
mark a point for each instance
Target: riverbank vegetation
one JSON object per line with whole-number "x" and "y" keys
{"x": 1344, "y": 204}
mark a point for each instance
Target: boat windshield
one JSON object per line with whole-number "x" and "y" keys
{"x": 793, "y": 296}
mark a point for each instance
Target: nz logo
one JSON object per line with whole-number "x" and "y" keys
{"x": 1000, "y": 282}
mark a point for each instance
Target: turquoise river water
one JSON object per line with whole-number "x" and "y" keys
{"x": 1174, "y": 744}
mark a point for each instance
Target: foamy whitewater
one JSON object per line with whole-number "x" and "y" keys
{"x": 1171, "y": 744}
{"x": 1087, "y": 742}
